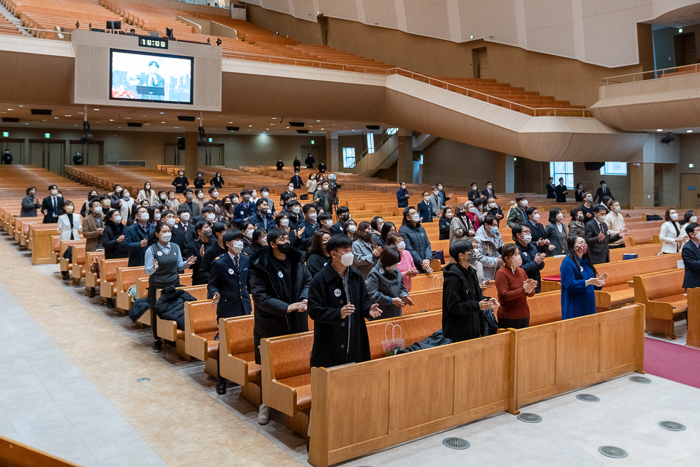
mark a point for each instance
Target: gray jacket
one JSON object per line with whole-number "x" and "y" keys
{"x": 364, "y": 257}
{"x": 29, "y": 206}
{"x": 436, "y": 204}
{"x": 489, "y": 250}
{"x": 382, "y": 287}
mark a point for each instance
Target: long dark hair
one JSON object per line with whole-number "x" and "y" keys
{"x": 385, "y": 230}
{"x": 316, "y": 245}
{"x": 571, "y": 253}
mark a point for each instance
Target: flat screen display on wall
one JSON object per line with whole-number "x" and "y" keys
{"x": 149, "y": 77}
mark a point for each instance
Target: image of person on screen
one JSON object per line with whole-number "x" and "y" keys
{"x": 153, "y": 86}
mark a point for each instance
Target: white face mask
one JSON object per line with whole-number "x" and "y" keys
{"x": 263, "y": 241}
{"x": 200, "y": 195}
{"x": 604, "y": 185}
{"x": 170, "y": 222}
{"x": 448, "y": 215}
{"x": 97, "y": 209}
{"x": 347, "y": 259}
{"x": 313, "y": 216}
{"x": 211, "y": 217}
{"x": 126, "y": 195}
{"x": 284, "y": 222}
{"x": 473, "y": 210}
{"x": 255, "y": 194}
{"x": 674, "y": 216}
{"x": 527, "y": 238}
{"x": 560, "y": 217}
{"x": 524, "y": 202}
{"x": 693, "y": 219}
{"x": 352, "y": 228}
{"x": 296, "y": 209}
{"x": 618, "y": 209}
{"x": 215, "y": 194}
{"x": 249, "y": 234}
{"x": 54, "y": 192}
{"x": 415, "y": 218}
{"x": 401, "y": 245}
{"x": 166, "y": 237}
{"x": 536, "y": 217}
{"x": 426, "y": 198}
{"x": 148, "y": 187}
{"x": 489, "y": 187}
{"x": 235, "y": 200}
{"x": 265, "y": 194}
{"x": 144, "y": 216}
{"x": 290, "y": 189}
{"x": 493, "y": 206}
{"x": 237, "y": 246}
{"x": 117, "y": 219}
{"x": 329, "y": 223}
{"x": 185, "y": 216}
{"x": 181, "y": 174}
{"x": 589, "y": 199}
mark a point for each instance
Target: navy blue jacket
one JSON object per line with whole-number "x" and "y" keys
{"x": 425, "y": 211}
{"x": 231, "y": 285}
{"x": 691, "y": 258}
{"x": 242, "y": 212}
{"x": 260, "y": 222}
{"x": 417, "y": 243}
{"x": 134, "y": 235}
{"x": 401, "y": 197}
{"x": 309, "y": 230}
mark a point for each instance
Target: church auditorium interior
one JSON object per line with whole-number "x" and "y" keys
{"x": 358, "y": 232}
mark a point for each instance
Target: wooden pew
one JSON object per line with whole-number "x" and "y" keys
{"x": 167, "y": 329}
{"x": 200, "y": 331}
{"x": 108, "y": 277}
{"x": 16, "y": 454}
{"x": 92, "y": 279}
{"x": 65, "y": 265}
{"x": 78, "y": 266}
{"x": 40, "y": 242}
{"x": 664, "y": 299}
{"x": 237, "y": 355}
{"x": 126, "y": 277}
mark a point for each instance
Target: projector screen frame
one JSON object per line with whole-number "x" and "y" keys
{"x": 139, "y": 52}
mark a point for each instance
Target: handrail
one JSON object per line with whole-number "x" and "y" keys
{"x": 660, "y": 73}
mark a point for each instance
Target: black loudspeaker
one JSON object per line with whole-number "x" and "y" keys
{"x": 593, "y": 165}
{"x": 181, "y": 143}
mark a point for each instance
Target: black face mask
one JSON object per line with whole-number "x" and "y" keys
{"x": 285, "y": 248}
{"x": 345, "y": 217}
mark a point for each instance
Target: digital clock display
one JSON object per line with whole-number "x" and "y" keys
{"x": 155, "y": 43}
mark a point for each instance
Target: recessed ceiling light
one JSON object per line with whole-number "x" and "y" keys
{"x": 111, "y": 119}
{"x": 660, "y": 129}
{"x": 321, "y": 128}
{"x": 21, "y": 106}
{"x": 162, "y": 113}
{"x": 55, "y": 118}
{"x": 318, "y": 120}
{"x": 28, "y": 124}
{"x": 10, "y": 109}
{"x": 250, "y": 126}
{"x": 96, "y": 110}
{"x": 68, "y": 115}
{"x": 274, "y": 118}
{"x": 162, "y": 122}
{"x": 267, "y": 129}
{"x": 689, "y": 131}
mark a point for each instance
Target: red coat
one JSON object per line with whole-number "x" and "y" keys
{"x": 511, "y": 294}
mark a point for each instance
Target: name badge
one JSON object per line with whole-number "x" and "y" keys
{"x": 381, "y": 270}
{"x": 230, "y": 271}
{"x": 337, "y": 292}
{"x": 524, "y": 253}
{"x": 160, "y": 253}
{"x": 242, "y": 213}
{"x": 280, "y": 275}
{"x": 581, "y": 268}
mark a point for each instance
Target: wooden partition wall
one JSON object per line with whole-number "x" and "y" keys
{"x": 373, "y": 405}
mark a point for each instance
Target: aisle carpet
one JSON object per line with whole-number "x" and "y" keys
{"x": 672, "y": 361}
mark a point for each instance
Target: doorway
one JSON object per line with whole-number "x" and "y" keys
{"x": 690, "y": 191}
{"x": 92, "y": 152}
{"x": 171, "y": 154}
{"x": 481, "y": 63}
{"x": 16, "y": 148}
{"x": 314, "y": 151}
{"x": 685, "y": 49}
{"x": 49, "y": 154}
{"x": 211, "y": 154}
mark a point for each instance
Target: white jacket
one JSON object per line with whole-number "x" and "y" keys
{"x": 64, "y": 226}
{"x": 668, "y": 237}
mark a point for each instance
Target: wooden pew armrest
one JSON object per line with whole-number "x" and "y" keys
{"x": 602, "y": 300}
{"x": 280, "y": 397}
{"x": 659, "y": 310}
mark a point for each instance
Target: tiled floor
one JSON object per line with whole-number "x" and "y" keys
{"x": 68, "y": 386}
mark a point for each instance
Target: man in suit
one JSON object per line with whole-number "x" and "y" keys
{"x": 425, "y": 209}
{"x": 488, "y": 192}
{"x": 93, "y": 226}
{"x": 598, "y": 237}
{"x": 51, "y": 206}
{"x": 228, "y": 284}
{"x": 244, "y": 209}
{"x": 184, "y": 215}
{"x": 603, "y": 191}
{"x": 137, "y": 238}
{"x": 691, "y": 257}
{"x": 193, "y": 206}
{"x": 551, "y": 189}
{"x": 296, "y": 180}
{"x": 474, "y": 193}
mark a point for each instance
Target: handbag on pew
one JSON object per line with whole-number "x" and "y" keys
{"x": 394, "y": 345}
{"x": 439, "y": 255}
{"x": 95, "y": 267}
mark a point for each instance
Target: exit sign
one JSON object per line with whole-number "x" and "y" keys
{"x": 5, "y": 134}
{"x": 211, "y": 140}
{"x": 47, "y": 135}
{"x": 313, "y": 142}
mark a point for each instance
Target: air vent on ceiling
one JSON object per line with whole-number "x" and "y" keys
{"x": 185, "y": 118}
{"x": 232, "y": 128}
{"x": 134, "y": 124}
{"x": 10, "y": 120}
{"x": 302, "y": 132}
{"x": 300, "y": 124}
{"x": 41, "y": 111}
{"x": 372, "y": 127}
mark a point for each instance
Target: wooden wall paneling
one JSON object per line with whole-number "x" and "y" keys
{"x": 576, "y": 338}
{"x": 693, "y": 337}
{"x": 536, "y": 371}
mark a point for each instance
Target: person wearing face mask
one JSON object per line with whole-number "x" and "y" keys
{"x": 178, "y": 236}
{"x": 93, "y": 226}
{"x": 279, "y": 283}
{"x": 556, "y": 233}
{"x": 216, "y": 248}
{"x": 113, "y": 237}
{"x": 364, "y": 249}
{"x": 344, "y": 217}
{"x": 513, "y": 288}
{"x": 351, "y": 228}
{"x": 402, "y": 196}
{"x": 309, "y": 226}
{"x": 148, "y": 195}
{"x": 474, "y": 193}
{"x": 85, "y": 210}
{"x": 283, "y": 222}
{"x": 280, "y": 164}
{"x": 214, "y": 195}
{"x": 441, "y": 193}
{"x": 385, "y": 284}
{"x": 296, "y": 180}
{"x": 248, "y": 229}
{"x": 417, "y": 241}
{"x": 265, "y": 194}
{"x": 137, "y": 236}
{"x": 615, "y": 221}
{"x": 489, "y": 192}
{"x": 296, "y": 164}
{"x": 7, "y": 157}
{"x": 322, "y": 197}
{"x": 672, "y": 236}
{"x": 461, "y": 226}
{"x": 603, "y": 191}
{"x": 377, "y": 223}
{"x": 339, "y": 304}
{"x": 116, "y": 194}
{"x": 310, "y": 161}
{"x": 537, "y": 230}
{"x": 184, "y": 224}
{"x": 425, "y": 209}
{"x": 587, "y": 207}
{"x": 325, "y": 222}
{"x": 322, "y": 167}
{"x": 472, "y": 214}
{"x": 579, "y": 280}
{"x": 561, "y": 191}
{"x": 154, "y": 217}
{"x": 192, "y": 204}
{"x": 198, "y": 247}
{"x": 163, "y": 262}
{"x": 245, "y": 209}
{"x": 29, "y": 203}
{"x": 489, "y": 243}
{"x": 293, "y": 210}
{"x": 436, "y": 202}
{"x": 517, "y": 214}
{"x": 689, "y": 218}
{"x": 69, "y": 224}
{"x": 444, "y": 223}
{"x": 217, "y": 181}
{"x": 406, "y": 265}
{"x": 576, "y": 226}
{"x": 598, "y": 237}
{"x": 691, "y": 256}
{"x": 317, "y": 256}
{"x": 171, "y": 202}
{"x": 550, "y": 188}
{"x": 180, "y": 183}
{"x": 262, "y": 219}
{"x": 463, "y": 302}
{"x": 127, "y": 202}
{"x": 578, "y": 194}
{"x": 199, "y": 182}
{"x": 533, "y": 261}
{"x": 494, "y": 209}
{"x": 51, "y": 206}
{"x": 310, "y": 187}
{"x": 258, "y": 242}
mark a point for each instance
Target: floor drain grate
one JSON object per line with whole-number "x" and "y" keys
{"x": 672, "y": 426}
{"x": 640, "y": 379}
{"x": 456, "y": 443}
{"x": 529, "y": 418}
{"x": 587, "y": 398}
{"x": 612, "y": 451}
{"x": 143, "y": 380}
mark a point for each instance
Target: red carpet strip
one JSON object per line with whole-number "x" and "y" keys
{"x": 672, "y": 361}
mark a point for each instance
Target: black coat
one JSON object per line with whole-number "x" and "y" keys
{"x": 599, "y": 251}
{"x": 322, "y": 167}
{"x": 279, "y": 165}
{"x": 531, "y": 268}
{"x": 561, "y": 192}
{"x": 444, "y": 228}
{"x": 310, "y": 161}
{"x": 180, "y": 237}
{"x": 462, "y": 319}
{"x": 113, "y": 248}
{"x": 338, "y": 341}
{"x": 192, "y": 249}
{"x": 600, "y": 192}
{"x": 691, "y": 258}
{"x": 180, "y": 183}
{"x": 171, "y": 305}
{"x": 231, "y": 285}
{"x": 550, "y": 191}
{"x": 473, "y": 194}
{"x": 271, "y": 317}
{"x": 315, "y": 263}
{"x": 297, "y": 181}
{"x": 425, "y": 211}
{"x": 210, "y": 254}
